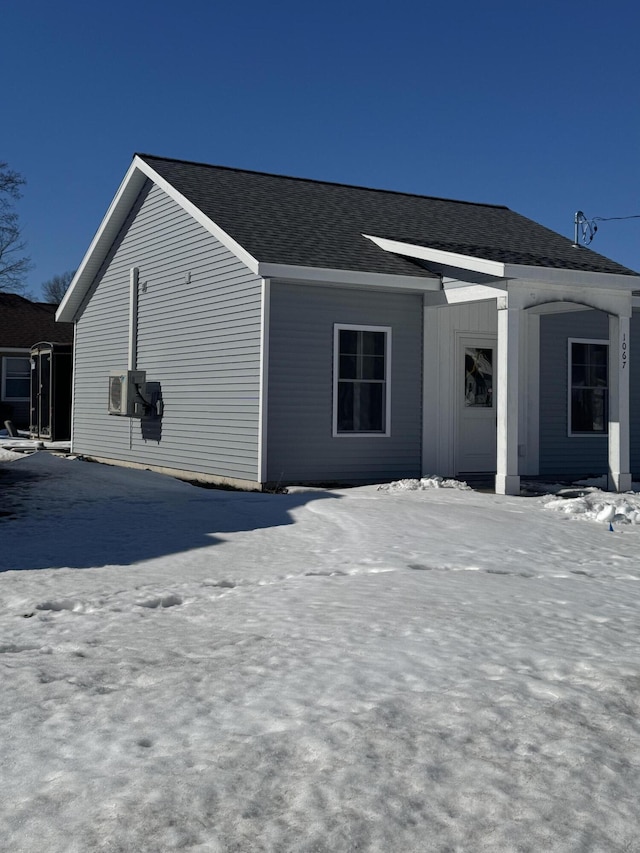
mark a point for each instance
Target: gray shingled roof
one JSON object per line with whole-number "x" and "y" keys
{"x": 284, "y": 220}
{"x": 24, "y": 323}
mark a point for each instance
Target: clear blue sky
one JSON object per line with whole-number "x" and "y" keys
{"x": 532, "y": 105}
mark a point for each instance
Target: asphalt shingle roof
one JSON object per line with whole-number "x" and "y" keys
{"x": 285, "y": 220}
{"x": 24, "y": 323}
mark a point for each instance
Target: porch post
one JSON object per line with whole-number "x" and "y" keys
{"x": 619, "y": 459}
{"x": 507, "y": 477}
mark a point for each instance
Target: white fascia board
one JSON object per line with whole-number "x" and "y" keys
{"x": 113, "y": 221}
{"x": 438, "y": 256}
{"x": 221, "y": 235}
{"x": 460, "y": 292}
{"x": 111, "y": 224}
{"x": 521, "y": 272}
{"x": 569, "y": 278}
{"x": 351, "y": 278}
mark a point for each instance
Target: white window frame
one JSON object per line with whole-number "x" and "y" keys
{"x": 570, "y": 342}
{"x": 337, "y": 328}
{"x": 5, "y": 359}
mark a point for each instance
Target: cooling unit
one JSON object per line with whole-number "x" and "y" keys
{"x": 125, "y": 390}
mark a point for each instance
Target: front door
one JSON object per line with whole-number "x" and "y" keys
{"x": 475, "y": 388}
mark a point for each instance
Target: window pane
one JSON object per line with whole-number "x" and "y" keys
{"x": 370, "y": 415}
{"x": 478, "y": 381}
{"x": 579, "y": 353}
{"x": 589, "y": 410}
{"x": 598, "y": 375}
{"x": 345, "y": 406}
{"x": 348, "y": 341}
{"x": 373, "y": 343}
{"x": 348, "y": 367}
{"x": 578, "y": 375}
{"x": 372, "y": 367}
{"x": 16, "y": 388}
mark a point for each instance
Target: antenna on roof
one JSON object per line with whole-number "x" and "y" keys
{"x": 584, "y": 229}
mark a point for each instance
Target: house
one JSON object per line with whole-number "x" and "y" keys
{"x": 22, "y": 324}
{"x": 263, "y": 329}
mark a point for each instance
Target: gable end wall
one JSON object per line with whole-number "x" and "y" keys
{"x": 198, "y": 337}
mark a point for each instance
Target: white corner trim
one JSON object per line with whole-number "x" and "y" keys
{"x": 438, "y": 256}
{"x": 337, "y": 328}
{"x": 263, "y": 406}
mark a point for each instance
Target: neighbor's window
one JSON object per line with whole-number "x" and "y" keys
{"x": 362, "y": 357}
{"x": 588, "y": 387}
{"x": 16, "y": 378}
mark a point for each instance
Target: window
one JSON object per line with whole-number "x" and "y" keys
{"x": 361, "y": 387}
{"x": 478, "y": 377}
{"x": 588, "y": 387}
{"x": 16, "y": 378}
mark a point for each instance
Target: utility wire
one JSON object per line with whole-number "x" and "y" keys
{"x": 609, "y": 218}
{"x": 585, "y": 229}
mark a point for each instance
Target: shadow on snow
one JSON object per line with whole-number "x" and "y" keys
{"x": 59, "y": 513}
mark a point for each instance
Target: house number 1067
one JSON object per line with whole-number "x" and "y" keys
{"x": 623, "y": 350}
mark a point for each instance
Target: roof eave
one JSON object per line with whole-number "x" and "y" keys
{"x": 498, "y": 270}
{"x": 349, "y": 278}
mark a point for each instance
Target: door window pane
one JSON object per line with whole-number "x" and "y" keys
{"x": 478, "y": 377}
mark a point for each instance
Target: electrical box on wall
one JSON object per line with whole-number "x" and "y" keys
{"x": 126, "y": 390}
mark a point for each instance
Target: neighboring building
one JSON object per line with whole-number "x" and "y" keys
{"x": 22, "y": 324}
{"x": 293, "y": 330}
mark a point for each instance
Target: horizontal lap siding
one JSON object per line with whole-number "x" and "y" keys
{"x": 559, "y": 453}
{"x": 198, "y": 338}
{"x": 300, "y": 442}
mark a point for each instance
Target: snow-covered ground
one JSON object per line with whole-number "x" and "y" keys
{"x": 402, "y": 669}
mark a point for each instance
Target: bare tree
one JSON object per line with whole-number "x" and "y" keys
{"x": 14, "y": 265}
{"x": 55, "y": 289}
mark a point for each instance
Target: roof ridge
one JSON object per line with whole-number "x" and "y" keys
{"x": 318, "y": 181}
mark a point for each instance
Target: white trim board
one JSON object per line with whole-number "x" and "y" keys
{"x": 521, "y": 272}
{"x": 263, "y": 405}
